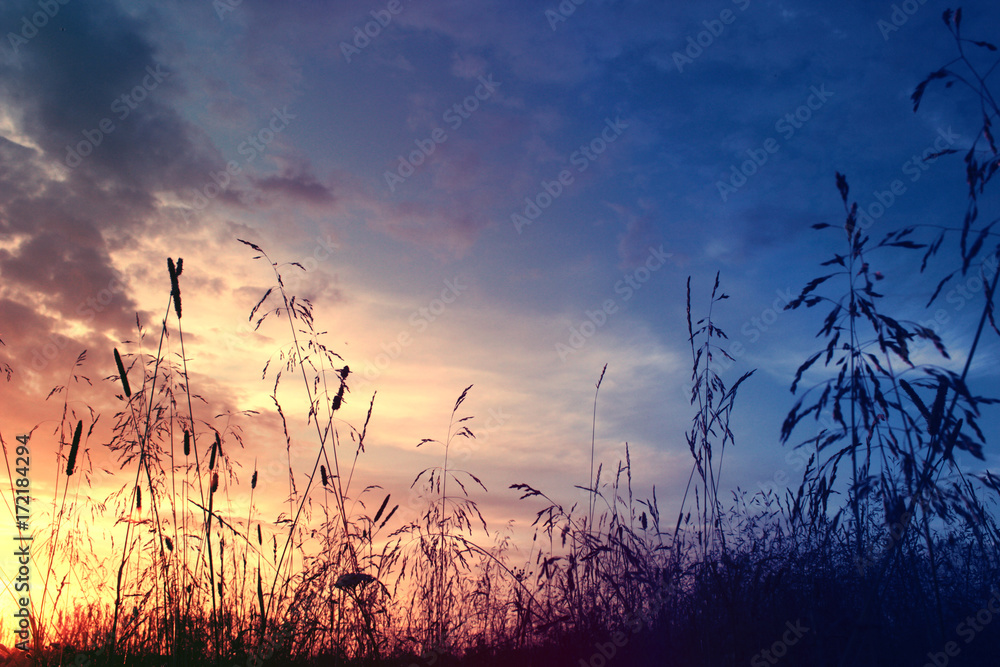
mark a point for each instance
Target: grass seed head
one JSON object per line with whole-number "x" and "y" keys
{"x": 175, "y": 288}
{"x": 215, "y": 450}
{"x": 122, "y": 374}
{"x": 74, "y": 448}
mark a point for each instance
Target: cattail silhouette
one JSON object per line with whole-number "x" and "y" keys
{"x": 215, "y": 449}
{"x": 260, "y": 591}
{"x": 175, "y": 288}
{"x": 253, "y": 480}
{"x": 381, "y": 509}
{"x": 74, "y": 448}
{"x": 215, "y": 482}
{"x": 389, "y": 516}
{"x": 187, "y": 443}
{"x": 138, "y": 498}
{"x": 122, "y": 374}
{"x": 322, "y": 472}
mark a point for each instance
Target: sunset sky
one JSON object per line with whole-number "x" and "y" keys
{"x": 502, "y": 194}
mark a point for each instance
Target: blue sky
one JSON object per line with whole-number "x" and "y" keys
{"x": 624, "y": 123}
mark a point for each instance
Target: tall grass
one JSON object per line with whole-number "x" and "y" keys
{"x": 714, "y": 590}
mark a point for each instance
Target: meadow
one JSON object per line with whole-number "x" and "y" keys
{"x": 885, "y": 552}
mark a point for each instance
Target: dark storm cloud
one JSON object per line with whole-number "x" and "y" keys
{"x": 60, "y": 260}
{"x": 94, "y": 96}
{"x": 93, "y": 93}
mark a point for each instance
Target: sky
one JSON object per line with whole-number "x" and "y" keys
{"x": 502, "y": 194}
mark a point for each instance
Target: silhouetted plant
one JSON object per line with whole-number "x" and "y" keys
{"x": 900, "y": 432}
{"x": 5, "y": 368}
{"x": 710, "y": 424}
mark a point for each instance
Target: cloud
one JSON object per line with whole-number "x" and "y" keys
{"x": 91, "y": 139}
{"x": 639, "y": 236}
{"x": 96, "y": 152}
{"x": 297, "y": 187}
{"x": 100, "y": 90}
